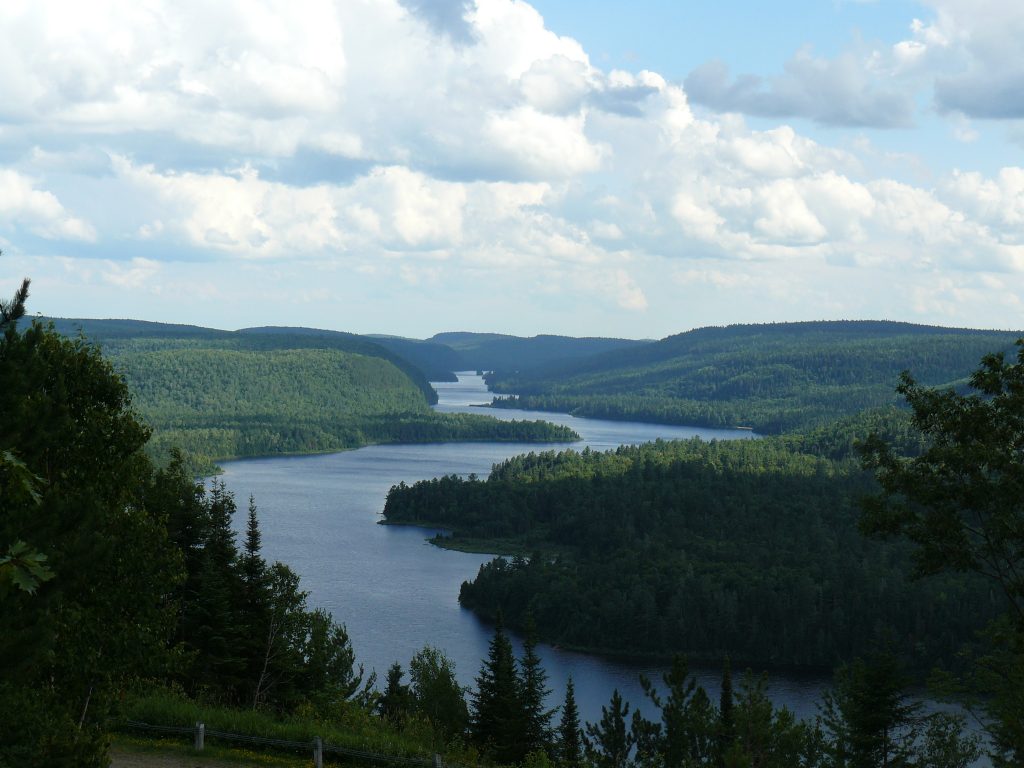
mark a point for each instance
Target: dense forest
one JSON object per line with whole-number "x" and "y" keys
{"x": 215, "y": 394}
{"x": 771, "y": 378}
{"x": 621, "y": 551}
{"x": 124, "y": 592}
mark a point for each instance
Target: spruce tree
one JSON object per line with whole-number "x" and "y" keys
{"x": 726, "y": 721}
{"x": 536, "y": 718}
{"x": 253, "y": 565}
{"x": 497, "y": 713}
{"x": 218, "y": 633}
{"x": 396, "y": 700}
{"x": 570, "y": 746}
{"x": 868, "y": 716}
{"x": 256, "y": 609}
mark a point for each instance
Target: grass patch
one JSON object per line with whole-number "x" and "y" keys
{"x": 346, "y": 725}
{"x": 141, "y": 751}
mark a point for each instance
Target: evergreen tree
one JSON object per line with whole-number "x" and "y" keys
{"x": 13, "y": 310}
{"x": 72, "y": 488}
{"x": 726, "y": 723}
{"x": 217, "y": 637}
{"x": 765, "y": 737}
{"x": 253, "y": 565}
{"x": 328, "y": 674}
{"x": 496, "y": 719}
{"x": 396, "y": 701}
{"x": 609, "y": 742}
{"x": 570, "y": 745}
{"x": 537, "y": 718}
{"x": 255, "y": 608}
{"x": 686, "y": 734}
{"x": 867, "y": 715}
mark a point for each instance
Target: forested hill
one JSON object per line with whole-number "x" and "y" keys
{"x": 774, "y": 378}
{"x": 221, "y": 394}
{"x": 113, "y": 334}
{"x": 438, "y": 361}
{"x": 498, "y": 352}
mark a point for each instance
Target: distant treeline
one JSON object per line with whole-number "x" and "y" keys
{"x": 748, "y": 548}
{"x": 772, "y": 378}
{"x": 218, "y": 395}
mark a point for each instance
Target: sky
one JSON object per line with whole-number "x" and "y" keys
{"x": 600, "y": 168}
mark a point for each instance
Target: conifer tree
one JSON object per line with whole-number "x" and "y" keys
{"x": 726, "y": 722}
{"x": 686, "y": 733}
{"x": 536, "y": 718}
{"x": 396, "y": 700}
{"x": 253, "y": 565}
{"x": 609, "y": 743}
{"x": 497, "y": 713}
{"x": 217, "y": 636}
{"x": 13, "y": 310}
{"x": 570, "y": 746}
{"x": 256, "y": 608}
{"x": 867, "y": 715}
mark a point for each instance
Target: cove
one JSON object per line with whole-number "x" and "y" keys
{"x": 395, "y": 592}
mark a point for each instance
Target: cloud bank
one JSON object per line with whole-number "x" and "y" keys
{"x": 386, "y": 152}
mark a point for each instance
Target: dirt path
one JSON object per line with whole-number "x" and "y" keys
{"x": 120, "y": 758}
{"x": 131, "y": 756}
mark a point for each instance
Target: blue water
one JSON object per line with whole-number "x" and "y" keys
{"x": 397, "y": 593}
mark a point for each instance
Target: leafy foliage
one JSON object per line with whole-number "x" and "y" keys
{"x": 436, "y": 693}
{"x": 959, "y": 504}
{"x": 100, "y": 612}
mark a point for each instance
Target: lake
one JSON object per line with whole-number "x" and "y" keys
{"x": 394, "y": 591}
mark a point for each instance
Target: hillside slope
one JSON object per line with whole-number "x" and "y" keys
{"x": 773, "y": 378}
{"x": 221, "y": 394}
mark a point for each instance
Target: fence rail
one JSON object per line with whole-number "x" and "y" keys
{"x": 200, "y": 732}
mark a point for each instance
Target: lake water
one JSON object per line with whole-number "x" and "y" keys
{"x": 397, "y": 593}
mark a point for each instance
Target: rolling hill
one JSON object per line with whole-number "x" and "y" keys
{"x": 773, "y": 378}
{"x": 222, "y": 394}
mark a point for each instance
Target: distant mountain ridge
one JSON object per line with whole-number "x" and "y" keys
{"x": 498, "y": 352}
{"x": 112, "y": 333}
{"x": 434, "y": 359}
{"x": 223, "y": 394}
{"x": 774, "y": 377}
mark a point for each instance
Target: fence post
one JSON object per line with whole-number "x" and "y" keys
{"x": 318, "y": 752}
{"x": 200, "y": 733}
{"x": 437, "y": 761}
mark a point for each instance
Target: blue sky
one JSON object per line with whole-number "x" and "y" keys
{"x": 414, "y": 166}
